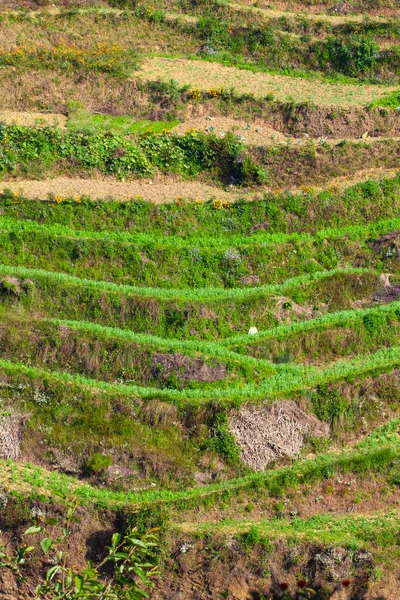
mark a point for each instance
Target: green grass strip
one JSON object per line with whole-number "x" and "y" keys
{"x": 195, "y": 295}
{"x": 352, "y": 232}
{"x": 378, "y": 529}
{"x": 343, "y": 318}
{"x": 339, "y": 319}
{"x": 377, "y": 453}
{"x": 288, "y": 379}
{"x": 183, "y": 346}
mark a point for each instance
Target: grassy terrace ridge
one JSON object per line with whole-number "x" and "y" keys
{"x": 286, "y": 380}
{"x": 110, "y": 346}
{"x": 277, "y": 212}
{"x": 194, "y": 295}
{"x": 207, "y": 313}
{"x": 226, "y": 8}
{"x": 372, "y": 320}
{"x": 338, "y": 319}
{"x": 372, "y": 530}
{"x": 206, "y": 75}
{"x": 120, "y": 351}
{"x": 375, "y": 453}
{"x": 171, "y": 261}
{"x": 352, "y": 232}
{"x": 200, "y": 296}
{"x": 259, "y": 46}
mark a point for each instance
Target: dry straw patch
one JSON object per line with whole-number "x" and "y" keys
{"x": 273, "y": 13}
{"x": 207, "y": 75}
{"x": 252, "y": 132}
{"x": 30, "y": 119}
{"x": 317, "y": 10}
{"x": 162, "y": 190}
{"x": 265, "y": 434}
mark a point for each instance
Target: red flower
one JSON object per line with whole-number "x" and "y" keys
{"x": 346, "y": 582}
{"x": 283, "y": 586}
{"x": 302, "y": 583}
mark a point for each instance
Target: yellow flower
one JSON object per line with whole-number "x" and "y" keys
{"x": 217, "y": 204}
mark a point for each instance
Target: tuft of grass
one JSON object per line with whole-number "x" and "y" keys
{"x": 80, "y": 119}
{"x": 391, "y": 100}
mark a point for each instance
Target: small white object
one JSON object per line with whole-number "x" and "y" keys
{"x": 253, "y": 330}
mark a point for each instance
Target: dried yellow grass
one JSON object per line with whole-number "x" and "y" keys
{"x": 206, "y": 75}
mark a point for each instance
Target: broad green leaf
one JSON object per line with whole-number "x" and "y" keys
{"x": 46, "y": 544}
{"x": 33, "y": 529}
{"x": 52, "y": 572}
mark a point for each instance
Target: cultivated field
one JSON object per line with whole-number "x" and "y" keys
{"x": 199, "y": 300}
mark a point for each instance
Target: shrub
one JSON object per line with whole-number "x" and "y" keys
{"x": 354, "y": 56}
{"x": 328, "y": 403}
{"x": 98, "y": 463}
{"x": 374, "y": 322}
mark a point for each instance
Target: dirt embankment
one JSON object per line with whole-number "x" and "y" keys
{"x": 39, "y": 93}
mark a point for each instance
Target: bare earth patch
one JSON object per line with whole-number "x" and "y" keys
{"x": 250, "y": 132}
{"x": 206, "y": 75}
{"x": 30, "y": 119}
{"x": 267, "y": 433}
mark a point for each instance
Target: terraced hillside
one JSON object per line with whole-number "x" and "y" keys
{"x": 199, "y": 299}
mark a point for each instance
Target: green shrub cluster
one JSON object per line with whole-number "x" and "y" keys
{"x": 353, "y": 54}
{"x": 121, "y": 155}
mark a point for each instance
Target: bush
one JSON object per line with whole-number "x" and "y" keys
{"x": 354, "y": 56}
{"x": 98, "y": 463}
{"x": 328, "y": 403}
{"x": 374, "y": 322}
{"x": 221, "y": 439}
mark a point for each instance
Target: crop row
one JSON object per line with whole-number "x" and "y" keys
{"x": 154, "y": 242}
{"x": 175, "y": 262}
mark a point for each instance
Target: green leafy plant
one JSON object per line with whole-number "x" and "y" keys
{"x": 98, "y": 463}
{"x": 125, "y": 573}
